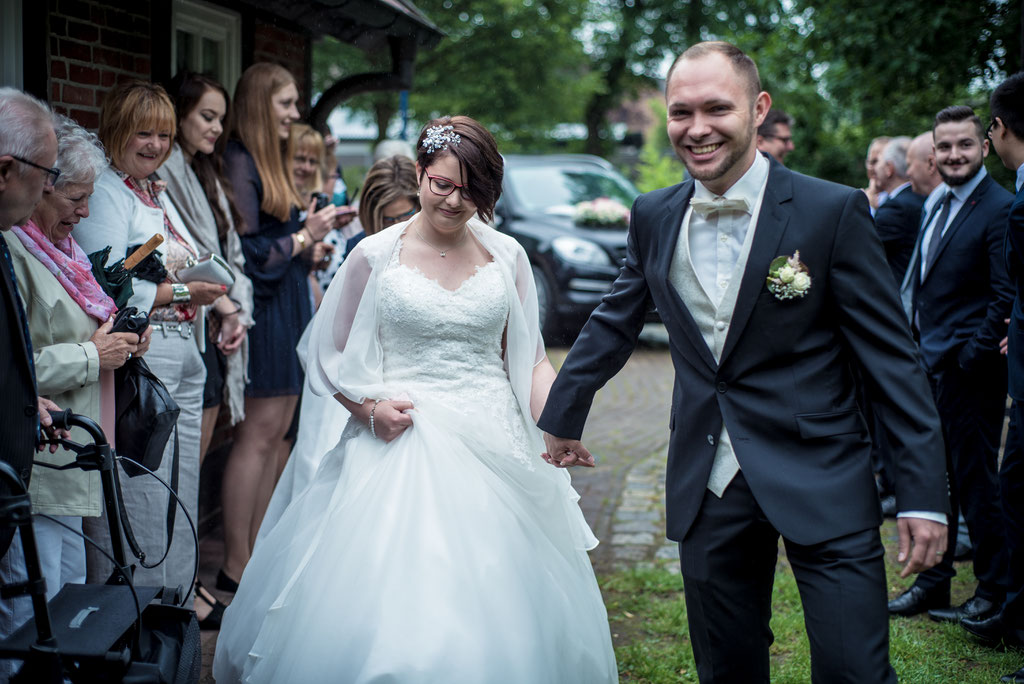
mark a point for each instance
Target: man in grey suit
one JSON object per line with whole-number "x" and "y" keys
{"x": 771, "y": 285}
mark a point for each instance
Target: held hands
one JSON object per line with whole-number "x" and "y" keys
{"x": 922, "y": 544}
{"x": 564, "y": 453}
{"x": 389, "y": 419}
{"x": 232, "y": 333}
{"x": 114, "y": 349}
{"x": 319, "y": 223}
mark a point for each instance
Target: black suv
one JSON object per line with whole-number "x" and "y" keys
{"x": 574, "y": 265}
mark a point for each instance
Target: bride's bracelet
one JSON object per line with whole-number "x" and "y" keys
{"x": 373, "y": 431}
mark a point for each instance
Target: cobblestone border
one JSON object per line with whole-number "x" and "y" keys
{"x": 638, "y": 523}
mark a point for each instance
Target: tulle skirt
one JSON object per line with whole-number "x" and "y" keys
{"x": 439, "y": 557}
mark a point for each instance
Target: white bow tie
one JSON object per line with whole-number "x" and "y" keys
{"x": 708, "y": 207}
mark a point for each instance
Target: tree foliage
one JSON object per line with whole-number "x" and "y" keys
{"x": 846, "y": 70}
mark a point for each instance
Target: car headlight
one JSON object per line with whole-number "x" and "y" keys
{"x": 579, "y": 251}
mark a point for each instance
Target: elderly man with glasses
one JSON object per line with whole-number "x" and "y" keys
{"x": 28, "y": 150}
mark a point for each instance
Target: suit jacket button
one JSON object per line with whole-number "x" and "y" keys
{"x": 722, "y": 387}
{"x": 30, "y": 411}
{"x": 25, "y": 472}
{"x": 711, "y": 440}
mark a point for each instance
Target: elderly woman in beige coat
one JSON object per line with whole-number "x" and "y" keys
{"x": 75, "y": 354}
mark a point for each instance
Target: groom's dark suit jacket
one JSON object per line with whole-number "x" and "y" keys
{"x": 1014, "y": 250}
{"x": 783, "y": 387}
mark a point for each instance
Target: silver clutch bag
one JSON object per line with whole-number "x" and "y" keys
{"x": 211, "y": 269}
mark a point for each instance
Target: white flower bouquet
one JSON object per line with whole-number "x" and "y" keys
{"x": 602, "y": 212}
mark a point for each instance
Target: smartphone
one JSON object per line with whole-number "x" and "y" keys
{"x": 322, "y": 201}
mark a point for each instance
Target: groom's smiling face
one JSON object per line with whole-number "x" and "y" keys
{"x": 712, "y": 119}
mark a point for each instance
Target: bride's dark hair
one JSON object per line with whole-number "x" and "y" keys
{"x": 478, "y": 156}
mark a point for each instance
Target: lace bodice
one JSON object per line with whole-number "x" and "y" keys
{"x": 445, "y": 345}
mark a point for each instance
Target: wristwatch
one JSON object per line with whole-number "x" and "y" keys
{"x": 301, "y": 238}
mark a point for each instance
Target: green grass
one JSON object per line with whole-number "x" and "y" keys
{"x": 648, "y": 621}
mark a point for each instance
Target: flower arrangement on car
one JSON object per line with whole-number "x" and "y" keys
{"x": 602, "y": 212}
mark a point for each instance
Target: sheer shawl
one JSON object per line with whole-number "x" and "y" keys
{"x": 345, "y": 353}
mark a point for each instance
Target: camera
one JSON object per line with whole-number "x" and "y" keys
{"x": 130, "y": 320}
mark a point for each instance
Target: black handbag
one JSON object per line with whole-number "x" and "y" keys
{"x": 146, "y": 413}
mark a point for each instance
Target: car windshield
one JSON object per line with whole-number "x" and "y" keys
{"x": 557, "y": 189}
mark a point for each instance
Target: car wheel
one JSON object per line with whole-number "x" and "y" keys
{"x": 546, "y": 306}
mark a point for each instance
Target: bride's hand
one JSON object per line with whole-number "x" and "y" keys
{"x": 564, "y": 453}
{"x": 388, "y": 420}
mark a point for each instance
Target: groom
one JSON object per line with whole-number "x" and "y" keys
{"x": 767, "y": 438}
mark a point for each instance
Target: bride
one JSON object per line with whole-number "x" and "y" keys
{"x": 433, "y": 544}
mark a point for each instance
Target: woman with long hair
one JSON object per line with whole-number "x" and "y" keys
{"x": 202, "y": 195}
{"x": 277, "y": 248}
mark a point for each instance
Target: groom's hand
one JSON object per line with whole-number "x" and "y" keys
{"x": 922, "y": 544}
{"x": 563, "y": 453}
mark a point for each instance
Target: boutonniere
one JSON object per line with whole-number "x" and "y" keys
{"x": 788, "y": 277}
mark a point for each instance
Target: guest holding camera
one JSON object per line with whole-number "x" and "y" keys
{"x": 137, "y": 125}
{"x": 75, "y": 354}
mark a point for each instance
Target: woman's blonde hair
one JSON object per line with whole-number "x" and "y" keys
{"x": 304, "y": 137}
{"x": 388, "y": 180}
{"x": 131, "y": 107}
{"x": 252, "y": 122}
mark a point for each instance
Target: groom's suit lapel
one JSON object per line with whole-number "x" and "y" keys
{"x": 670, "y": 223}
{"x": 771, "y": 224}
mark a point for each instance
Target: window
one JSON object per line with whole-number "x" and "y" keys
{"x": 207, "y": 40}
{"x": 10, "y": 44}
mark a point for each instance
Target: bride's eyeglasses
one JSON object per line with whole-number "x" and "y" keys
{"x": 442, "y": 186}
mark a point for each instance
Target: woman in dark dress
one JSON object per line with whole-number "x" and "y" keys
{"x": 277, "y": 248}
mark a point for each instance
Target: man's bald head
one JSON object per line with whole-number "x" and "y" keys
{"x": 921, "y": 169}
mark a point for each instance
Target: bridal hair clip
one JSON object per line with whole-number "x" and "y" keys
{"x": 439, "y": 137}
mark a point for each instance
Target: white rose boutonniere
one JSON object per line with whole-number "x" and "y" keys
{"x": 788, "y": 277}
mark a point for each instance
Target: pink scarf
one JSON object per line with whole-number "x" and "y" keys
{"x": 70, "y": 266}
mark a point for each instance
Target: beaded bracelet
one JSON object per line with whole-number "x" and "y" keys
{"x": 373, "y": 431}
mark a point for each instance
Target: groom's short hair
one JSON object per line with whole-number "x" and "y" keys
{"x": 1007, "y": 103}
{"x": 741, "y": 62}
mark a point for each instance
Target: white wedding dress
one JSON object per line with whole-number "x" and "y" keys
{"x": 452, "y": 554}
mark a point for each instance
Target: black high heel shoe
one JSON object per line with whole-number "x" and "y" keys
{"x": 225, "y": 583}
{"x": 213, "y": 619}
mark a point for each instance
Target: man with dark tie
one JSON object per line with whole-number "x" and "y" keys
{"x": 772, "y": 287}
{"x": 1006, "y": 133}
{"x": 960, "y": 297}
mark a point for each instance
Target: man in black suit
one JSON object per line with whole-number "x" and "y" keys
{"x": 1006, "y": 132}
{"x": 898, "y": 219}
{"x": 961, "y": 296}
{"x": 766, "y": 435}
{"x": 28, "y": 148}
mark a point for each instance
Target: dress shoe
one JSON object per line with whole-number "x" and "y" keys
{"x": 916, "y": 600}
{"x": 991, "y": 630}
{"x": 889, "y": 506}
{"x": 213, "y": 618}
{"x": 1017, "y": 676}
{"x": 974, "y": 607}
{"x": 225, "y": 583}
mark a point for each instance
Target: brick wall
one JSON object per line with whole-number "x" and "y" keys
{"x": 291, "y": 50}
{"x": 93, "y": 45}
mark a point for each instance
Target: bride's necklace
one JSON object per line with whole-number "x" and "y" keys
{"x": 443, "y": 252}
